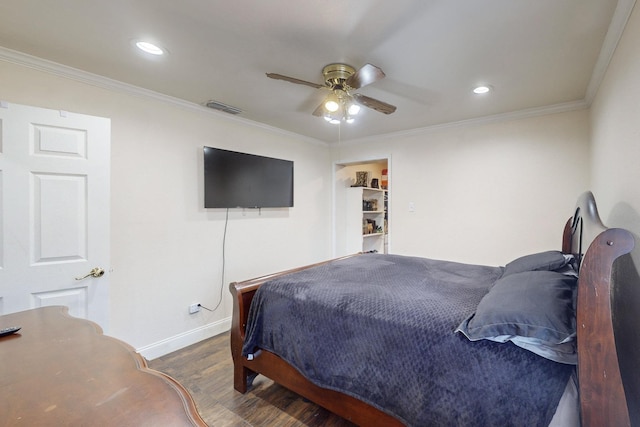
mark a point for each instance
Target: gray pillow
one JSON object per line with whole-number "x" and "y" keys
{"x": 547, "y": 261}
{"x": 534, "y": 310}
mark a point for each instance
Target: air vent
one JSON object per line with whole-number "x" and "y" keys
{"x": 215, "y": 105}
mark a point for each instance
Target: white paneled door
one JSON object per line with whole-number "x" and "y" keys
{"x": 54, "y": 211}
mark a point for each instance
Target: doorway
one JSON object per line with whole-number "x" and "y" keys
{"x": 348, "y": 214}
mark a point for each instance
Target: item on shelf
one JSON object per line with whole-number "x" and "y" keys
{"x": 384, "y": 182}
{"x": 370, "y": 205}
{"x": 369, "y": 226}
{"x": 362, "y": 178}
{"x": 374, "y": 183}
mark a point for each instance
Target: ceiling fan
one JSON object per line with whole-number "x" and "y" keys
{"x": 342, "y": 104}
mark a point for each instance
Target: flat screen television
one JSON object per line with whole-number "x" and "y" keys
{"x": 241, "y": 180}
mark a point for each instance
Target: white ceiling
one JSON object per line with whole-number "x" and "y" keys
{"x": 534, "y": 53}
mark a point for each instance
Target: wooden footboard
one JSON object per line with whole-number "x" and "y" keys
{"x": 606, "y": 332}
{"x": 275, "y": 368}
{"x": 602, "y": 395}
{"x": 243, "y": 293}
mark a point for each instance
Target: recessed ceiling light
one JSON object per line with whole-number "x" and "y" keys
{"x": 481, "y": 89}
{"x": 149, "y": 48}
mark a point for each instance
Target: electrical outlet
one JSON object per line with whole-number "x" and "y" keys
{"x": 194, "y": 308}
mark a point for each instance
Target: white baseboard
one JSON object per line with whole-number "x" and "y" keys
{"x": 171, "y": 344}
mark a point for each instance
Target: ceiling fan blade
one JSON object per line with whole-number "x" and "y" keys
{"x": 319, "y": 112}
{"x": 365, "y": 76}
{"x": 293, "y": 80}
{"x": 374, "y": 104}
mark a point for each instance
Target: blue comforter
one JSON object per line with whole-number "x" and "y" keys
{"x": 381, "y": 328}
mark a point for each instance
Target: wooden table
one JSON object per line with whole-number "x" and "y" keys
{"x": 59, "y": 370}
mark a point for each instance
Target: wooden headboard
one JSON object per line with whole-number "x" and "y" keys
{"x": 583, "y": 227}
{"x": 607, "y": 307}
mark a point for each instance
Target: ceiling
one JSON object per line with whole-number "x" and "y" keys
{"x": 533, "y": 53}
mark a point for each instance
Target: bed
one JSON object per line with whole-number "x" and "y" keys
{"x": 396, "y": 340}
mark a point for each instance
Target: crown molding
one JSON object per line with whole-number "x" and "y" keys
{"x": 478, "y": 121}
{"x": 614, "y": 33}
{"x": 64, "y": 71}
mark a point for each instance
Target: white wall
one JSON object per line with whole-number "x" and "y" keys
{"x": 166, "y": 248}
{"x": 615, "y": 122}
{"x": 483, "y": 193}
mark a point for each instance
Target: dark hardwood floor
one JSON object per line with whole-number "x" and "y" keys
{"x": 206, "y": 370}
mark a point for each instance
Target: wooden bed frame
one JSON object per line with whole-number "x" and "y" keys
{"x": 608, "y": 300}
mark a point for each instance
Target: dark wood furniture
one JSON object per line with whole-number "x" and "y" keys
{"x": 602, "y": 395}
{"x": 59, "y": 370}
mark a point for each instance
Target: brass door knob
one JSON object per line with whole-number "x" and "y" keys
{"x": 96, "y": 272}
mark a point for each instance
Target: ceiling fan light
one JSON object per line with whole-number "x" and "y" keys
{"x": 353, "y": 109}
{"x": 334, "y": 120}
{"x": 349, "y": 120}
{"x": 331, "y": 105}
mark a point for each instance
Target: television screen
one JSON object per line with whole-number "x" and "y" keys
{"x": 241, "y": 180}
